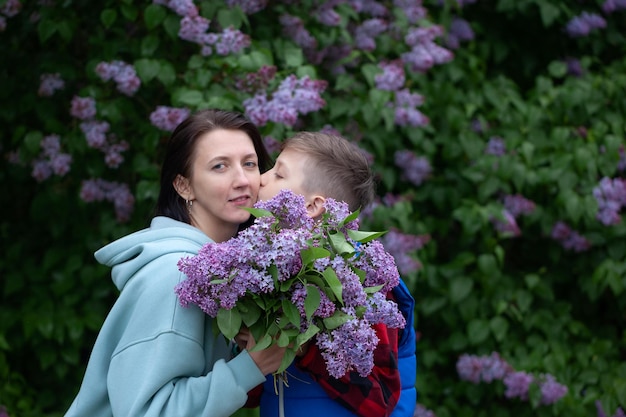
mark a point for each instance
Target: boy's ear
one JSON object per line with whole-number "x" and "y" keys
{"x": 183, "y": 188}
{"x": 315, "y": 206}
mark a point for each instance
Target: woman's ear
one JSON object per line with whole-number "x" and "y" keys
{"x": 315, "y": 206}
{"x": 183, "y": 187}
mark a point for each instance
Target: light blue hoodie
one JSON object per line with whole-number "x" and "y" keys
{"x": 152, "y": 356}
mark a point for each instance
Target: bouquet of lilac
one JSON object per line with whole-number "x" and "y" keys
{"x": 289, "y": 278}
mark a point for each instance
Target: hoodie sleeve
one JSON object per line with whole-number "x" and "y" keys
{"x": 145, "y": 380}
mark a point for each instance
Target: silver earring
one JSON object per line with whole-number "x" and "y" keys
{"x": 189, "y": 203}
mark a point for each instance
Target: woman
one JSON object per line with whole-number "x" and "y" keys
{"x": 152, "y": 356}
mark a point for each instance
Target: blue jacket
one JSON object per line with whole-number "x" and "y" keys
{"x": 306, "y": 398}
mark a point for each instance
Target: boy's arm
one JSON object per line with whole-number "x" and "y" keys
{"x": 373, "y": 396}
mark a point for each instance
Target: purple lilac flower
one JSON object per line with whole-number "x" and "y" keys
{"x": 382, "y": 310}
{"x": 621, "y": 164}
{"x": 405, "y": 112}
{"x": 600, "y": 410}
{"x": 619, "y": 412}
{"x": 517, "y": 384}
{"x": 350, "y": 347}
{"x": 610, "y": 6}
{"x": 113, "y": 154}
{"x": 413, "y": 10}
{"x": 193, "y": 28}
{"x": 392, "y": 77}
{"x": 379, "y": 266}
{"x": 365, "y": 33}
{"x": 272, "y": 144}
{"x": 248, "y": 6}
{"x": 167, "y": 118}
{"x": 482, "y": 368}
{"x": 293, "y": 27}
{"x": 49, "y": 84}
{"x": 122, "y": 73}
{"x": 415, "y": 169}
{"x": 400, "y": 245}
{"x": 582, "y": 25}
{"x": 51, "y": 160}
{"x": 506, "y": 224}
{"x": 611, "y": 197}
{"x": 255, "y": 81}
{"x": 421, "y": 411}
{"x": 11, "y": 8}
{"x": 83, "y": 108}
{"x": 3, "y": 23}
{"x": 370, "y": 7}
{"x": 569, "y": 239}
{"x": 326, "y": 15}
{"x": 574, "y": 67}
{"x": 422, "y": 35}
{"x": 289, "y": 208}
{"x": 459, "y": 31}
{"x": 551, "y": 390}
{"x": 469, "y": 368}
{"x": 325, "y": 309}
{"x": 231, "y": 41}
{"x": 293, "y": 97}
{"x": 95, "y": 132}
{"x": 518, "y": 205}
{"x": 119, "y": 194}
{"x": 180, "y": 7}
{"x": 495, "y": 146}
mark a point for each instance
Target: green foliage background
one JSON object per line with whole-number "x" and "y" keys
{"x": 543, "y": 308}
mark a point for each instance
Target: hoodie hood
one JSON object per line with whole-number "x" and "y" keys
{"x": 164, "y": 236}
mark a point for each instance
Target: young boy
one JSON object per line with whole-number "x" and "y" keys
{"x": 319, "y": 166}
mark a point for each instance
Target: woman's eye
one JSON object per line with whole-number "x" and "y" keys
{"x": 251, "y": 164}
{"x": 219, "y": 166}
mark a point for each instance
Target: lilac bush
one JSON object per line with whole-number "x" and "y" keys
{"x": 495, "y": 130}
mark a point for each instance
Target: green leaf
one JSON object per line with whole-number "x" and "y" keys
{"x": 549, "y": 12}
{"x": 108, "y": 17}
{"x": 250, "y": 313}
{"x": 339, "y": 243}
{"x": 257, "y": 212}
{"x": 311, "y": 331}
{"x": 291, "y": 312}
{"x": 46, "y": 29}
{"x": 336, "y": 320}
{"x": 147, "y": 69}
{"x": 460, "y": 287}
{"x": 229, "y": 322}
{"x": 363, "y": 236}
{"x": 186, "y": 96}
{"x": 369, "y": 72}
{"x": 149, "y": 45}
{"x": 153, "y": 15}
{"x": 333, "y": 283}
{"x": 283, "y": 339}
{"x": 293, "y": 57}
{"x": 130, "y": 12}
{"x": 310, "y": 254}
{"x": 290, "y": 355}
{"x": 312, "y": 300}
{"x": 499, "y": 327}
{"x": 477, "y": 331}
{"x": 167, "y": 73}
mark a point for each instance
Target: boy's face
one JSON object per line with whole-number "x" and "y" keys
{"x": 287, "y": 174}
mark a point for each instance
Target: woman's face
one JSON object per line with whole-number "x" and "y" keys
{"x": 225, "y": 176}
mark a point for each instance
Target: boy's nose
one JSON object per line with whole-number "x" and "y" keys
{"x": 264, "y": 178}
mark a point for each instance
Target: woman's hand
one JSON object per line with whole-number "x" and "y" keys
{"x": 268, "y": 360}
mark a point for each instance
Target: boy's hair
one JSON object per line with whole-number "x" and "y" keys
{"x": 336, "y": 168}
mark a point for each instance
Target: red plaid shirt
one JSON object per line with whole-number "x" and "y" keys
{"x": 373, "y": 396}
